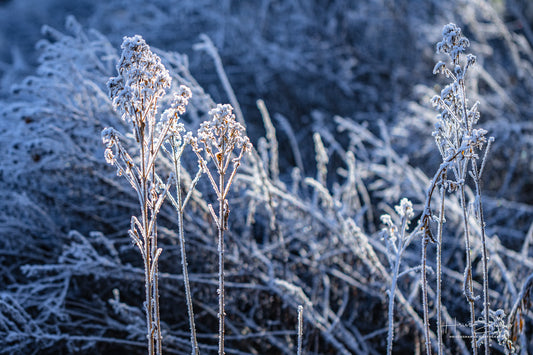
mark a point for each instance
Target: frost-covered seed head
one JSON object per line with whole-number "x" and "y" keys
{"x": 386, "y": 220}
{"x": 405, "y": 209}
{"x": 453, "y": 42}
{"x": 141, "y": 80}
{"x": 180, "y": 100}
{"x": 223, "y": 131}
{"x": 455, "y": 118}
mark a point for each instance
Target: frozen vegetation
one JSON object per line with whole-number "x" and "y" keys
{"x": 295, "y": 177}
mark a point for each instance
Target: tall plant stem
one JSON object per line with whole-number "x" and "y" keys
{"x": 139, "y": 108}
{"x": 220, "y": 137}
{"x": 439, "y": 271}
{"x": 468, "y": 286}
{"x": 154, "y": 258}
{"x": 222, "y": 220}
{"x": 157, "y": 316}
{"x": 147, "y": 251}
{"x": 392, "y": 291}
{"x": 486, "y": 305}
{"x": 180, "y": 207}
{"x": 403, "y": 243}
{"x": 425, "y": 242}
{"x": 468, "y": 273}
{"x": 300, "y": 329}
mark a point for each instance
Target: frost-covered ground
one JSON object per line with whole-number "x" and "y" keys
{"x": 347, "y": 85}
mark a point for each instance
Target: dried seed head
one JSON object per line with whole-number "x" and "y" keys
{"x": 405, "y": 209}
{"x": 453, "y": 42}
{"x": 141, "y": 80}
{"x": 223, "y": 132}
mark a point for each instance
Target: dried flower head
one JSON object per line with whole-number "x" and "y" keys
{"x": 405, "y": 209}
{"x": 453, "y": 42}
{"x": 170, "y": 117}
{"x": 454, "y": 129}
{"x": 141, "y": 81}
{"x": 222, "y": 134}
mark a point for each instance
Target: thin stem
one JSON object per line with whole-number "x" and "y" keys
{"x": 155, "y": 251}
{"x": 181, "y": 237}
{"x": 157, "y": 317}
{"x": 237, "y": 163}
{"x": 425, "y": 242}
{"x": 469, "y": 288}
{"x": 485, "y": 259}
{"x": 439, "y": 270}
{"x": 464, "y": 107}
{"x": 300, "y": 328}
{"x": 392, "y": 291}
{"x": 191, "y": 188}
{"x": 402, "y": 244}
{"x": 147, "y": 249}
{"x": 151, "y": 160}
{"x": 221, "y": 226}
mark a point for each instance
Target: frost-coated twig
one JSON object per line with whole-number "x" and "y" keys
{"x": 219, "y": 138}
{"x": 293, "y": 141}
{"x": 457, "y": 141}
{"x": 439, "y": 269}
{"x": 468, "y": 288}
{"x": 272, "y": 140}
{"x": 300, "y": 328}
{"x": 476, "y": 175}
{"x": 425, "y": 242}
{"x": 142, "y": 80}
{"x": 178, "y": 140}
{"x": 397, "y": 241}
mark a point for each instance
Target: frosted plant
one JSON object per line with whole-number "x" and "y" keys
{"x": 219, "y": 137}
{"x": 458, "y": 142}
{"x": 176, "y": 141}
{"x": 135, "y": 92}
{"x": 397, "y": 241}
